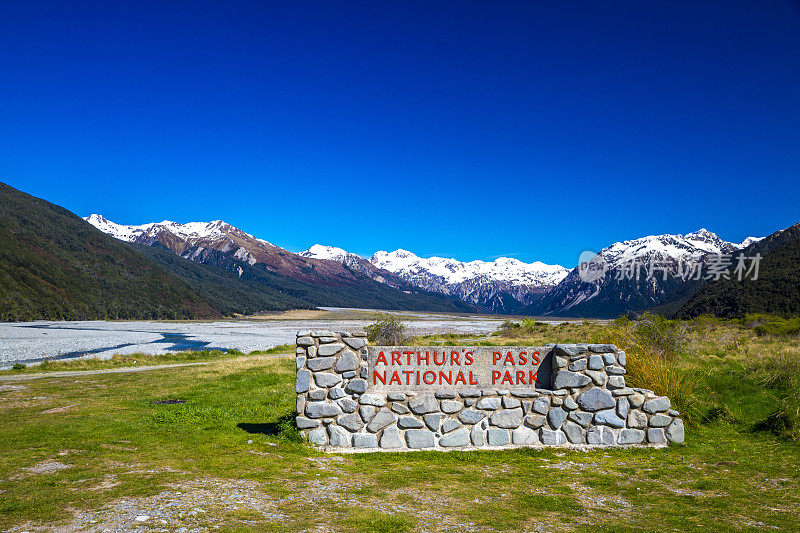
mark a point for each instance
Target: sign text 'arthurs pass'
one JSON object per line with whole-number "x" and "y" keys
{"x": 438, "y": 367}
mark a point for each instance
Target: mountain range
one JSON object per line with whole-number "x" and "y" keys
{"x": 505, "y": 285}
{"x": 55, "y": 265}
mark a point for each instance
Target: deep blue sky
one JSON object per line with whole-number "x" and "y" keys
{"x": 464, "y": 129}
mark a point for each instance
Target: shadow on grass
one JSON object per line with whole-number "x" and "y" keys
{"x": 283, "y": 427}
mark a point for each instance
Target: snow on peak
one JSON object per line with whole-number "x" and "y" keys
{"x": 188, "y": 231}
{"x": 748, "y": 241}
{"x": 691, "y": 246}
{"x": 451, "y": 271}
{"x": 331, "y": 253}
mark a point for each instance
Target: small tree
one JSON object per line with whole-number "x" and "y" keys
{"x": 387, "y": 330}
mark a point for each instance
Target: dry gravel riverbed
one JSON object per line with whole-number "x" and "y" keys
{"x": 32, "y": 342}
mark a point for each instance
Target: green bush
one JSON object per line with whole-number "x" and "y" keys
{"x": 388, "y": 330}
{"x": 19, "y": 366}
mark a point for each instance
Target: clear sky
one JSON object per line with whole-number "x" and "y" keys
{"x": 464, "y": 129}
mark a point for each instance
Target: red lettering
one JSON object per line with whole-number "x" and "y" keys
{"x": 509, "y": 359}
{"x": 534, "y": 377}
{"x": 395, "y": 378}
{"x": 396, "y": 358}
{"x": 454, "y": 358}
{"x": 381, "y": 359}
{"x": 426, "y": 358}
{"x": 520, "y": 377}
{"x": 409, "y": 354}
{"x": 408, "y": 374}
{"x": 495, "y": 376}
{"x": 468, "y": 358}
{"x": 472, "y": 380}
{"x": 446, "y": 377}
{"x": 506, "y": 377}
{"x": 425, "y": 377}
{"x": 496, "y": 357}
{"x": 460, "y": 378}
{"x": 436, "y": 361}
{"x": 535, "y": 358}
{"x": 522, "y": 359}
{"x": 377, "y": 377}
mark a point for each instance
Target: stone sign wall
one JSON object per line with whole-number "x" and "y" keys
{"x": 351, "y": 395}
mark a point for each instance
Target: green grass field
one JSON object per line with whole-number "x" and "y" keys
{"x": 91, "y": 452}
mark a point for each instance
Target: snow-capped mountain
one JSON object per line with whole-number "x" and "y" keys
{"x": 502, "y": 285}
{"x": 636, "y": 275}
{"x": 223, "y": 245}
{"x": 354, "y": 262}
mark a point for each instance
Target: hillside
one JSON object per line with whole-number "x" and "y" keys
{"x": 53, "y": 265}
{"x": 270, "y": 275}
{"x": 776, "y": 291}
{"x": 236, "y": 286}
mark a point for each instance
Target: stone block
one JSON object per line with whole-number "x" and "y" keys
{"x": 303, "y": 381}
{"x": 365, "y": 440}
{"x": 608, "y": 417}
{"x": 355, "y": 343}
{"x": 357, "y": 386}
{"x": 329, "y": 349}
{"x": 675, "y": 431}
{"x": 318, "y": 436}
{"x": 541, "y": 405}
{"x": 507, "y": 418}
{"x": 524, "y": 436}
{"x": 477, "y": 436}
{"x": 637, "y": 419}
{"x": 582, "y": 418}
{"x": 348, "y": 405}
{"x": 497, "y": 437}
{"x": 423, "y": 404}
{"x": 446, "y": 394}
{"x": 630, "y": 436}
{"x": 565, "y": 379}
{"x": 433, "y": 421}
{"x": 556, "y": 417}
{"x": 451, "y": 406}
{"x": 660, "y": 404}
{"x": 488, "y": 403}
{"x": 574, "y": 433}
{"x": 656, "y": 436}
{"x": 305, "y": 341}
{"x": 351, "y": 422}
{"x": 372, "y": 399}
{"x": 510, "y": 403}
{"x": 552, "y": 437}
{"x": 457, "y": 438}
{"x": 326, "y": 379}
{"x": 321, "y": 363}
{"x": 382, "y": 418}
{"x": 535, "y": 421}
{"x": 409, "y": 422}
{"x": 390, "y": 439}
{"x": 305, "y": 423}
{"x": 338, "y": 436}
{"x": 469, "y": 416}
{"x": 346, "y": 361}
{"x": 419, "y": 438}
{"x": 595, "y": 362}
{"x": 660, "y": 420}
{"x": 322, "y": 410}
{"x": 596, "y": 399}
{"x": 600, "y": 436}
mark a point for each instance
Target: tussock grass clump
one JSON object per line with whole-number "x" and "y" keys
{"x": 387, "y": 330}
{"x": 653, "y": 346}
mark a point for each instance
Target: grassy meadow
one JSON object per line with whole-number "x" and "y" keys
{"x": 213, "y": 446}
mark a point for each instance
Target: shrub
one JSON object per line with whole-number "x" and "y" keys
{"x": 19, "y": 366}
{"x": 387, "y": 330}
